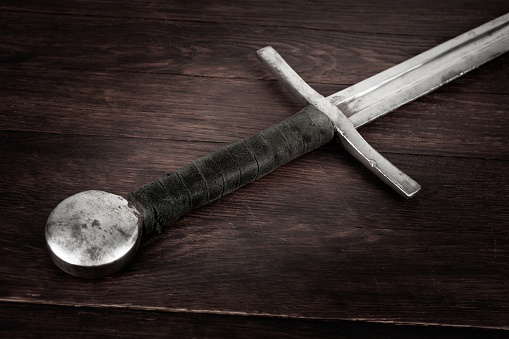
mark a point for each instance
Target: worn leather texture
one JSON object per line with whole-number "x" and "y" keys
{"x": 217, "y": 174}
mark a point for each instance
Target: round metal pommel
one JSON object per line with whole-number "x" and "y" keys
{"x": 93, "y": 234}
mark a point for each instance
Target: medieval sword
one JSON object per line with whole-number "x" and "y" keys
{"x": 93, "y": 234}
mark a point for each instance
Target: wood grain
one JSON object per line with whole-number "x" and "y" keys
{"x": 336, "y": 251}
{"x": 171, "y": 107}
{"x": 372, "y": 16}
{"x": 224, "y": 50}
{"x": 106, "y": 95}
{"x": 75, "y": 322}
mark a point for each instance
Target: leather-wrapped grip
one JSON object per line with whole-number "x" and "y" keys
{"x": 217, "y": 174}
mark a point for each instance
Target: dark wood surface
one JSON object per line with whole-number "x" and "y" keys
{"x": 111, "y": 95}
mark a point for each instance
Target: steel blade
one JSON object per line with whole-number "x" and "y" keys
{"x": 407, "y": 81}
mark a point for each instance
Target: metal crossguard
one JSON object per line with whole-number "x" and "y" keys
{"x": 353, "y": 142}
{"x": 94, "y": 233}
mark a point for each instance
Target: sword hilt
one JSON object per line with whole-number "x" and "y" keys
{"x": 217, "y": 174}
{"x": 347, "y": 135}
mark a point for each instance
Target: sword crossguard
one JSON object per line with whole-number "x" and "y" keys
{"x": 345, "y": 130}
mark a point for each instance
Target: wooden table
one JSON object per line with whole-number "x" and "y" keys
{"x": 111, "y": 95}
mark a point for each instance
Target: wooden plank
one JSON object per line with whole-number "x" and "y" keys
{"x": 208, "y": 50}
{"x": 175, "y": 107}
{"x": 371, "y": 16}
{"x": 344, "y": 247}
{"x": 77, "y": 322}
{"x": 154, "y": 104}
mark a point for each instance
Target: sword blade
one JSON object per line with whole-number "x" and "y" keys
{"x": 383, "y": 93}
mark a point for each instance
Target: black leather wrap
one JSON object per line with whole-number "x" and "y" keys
{"x": 217, "y": 174}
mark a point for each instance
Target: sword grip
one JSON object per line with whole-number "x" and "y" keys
{"x": 217, "y": 174}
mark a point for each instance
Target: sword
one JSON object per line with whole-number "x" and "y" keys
{"x": 93, "y": 234}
